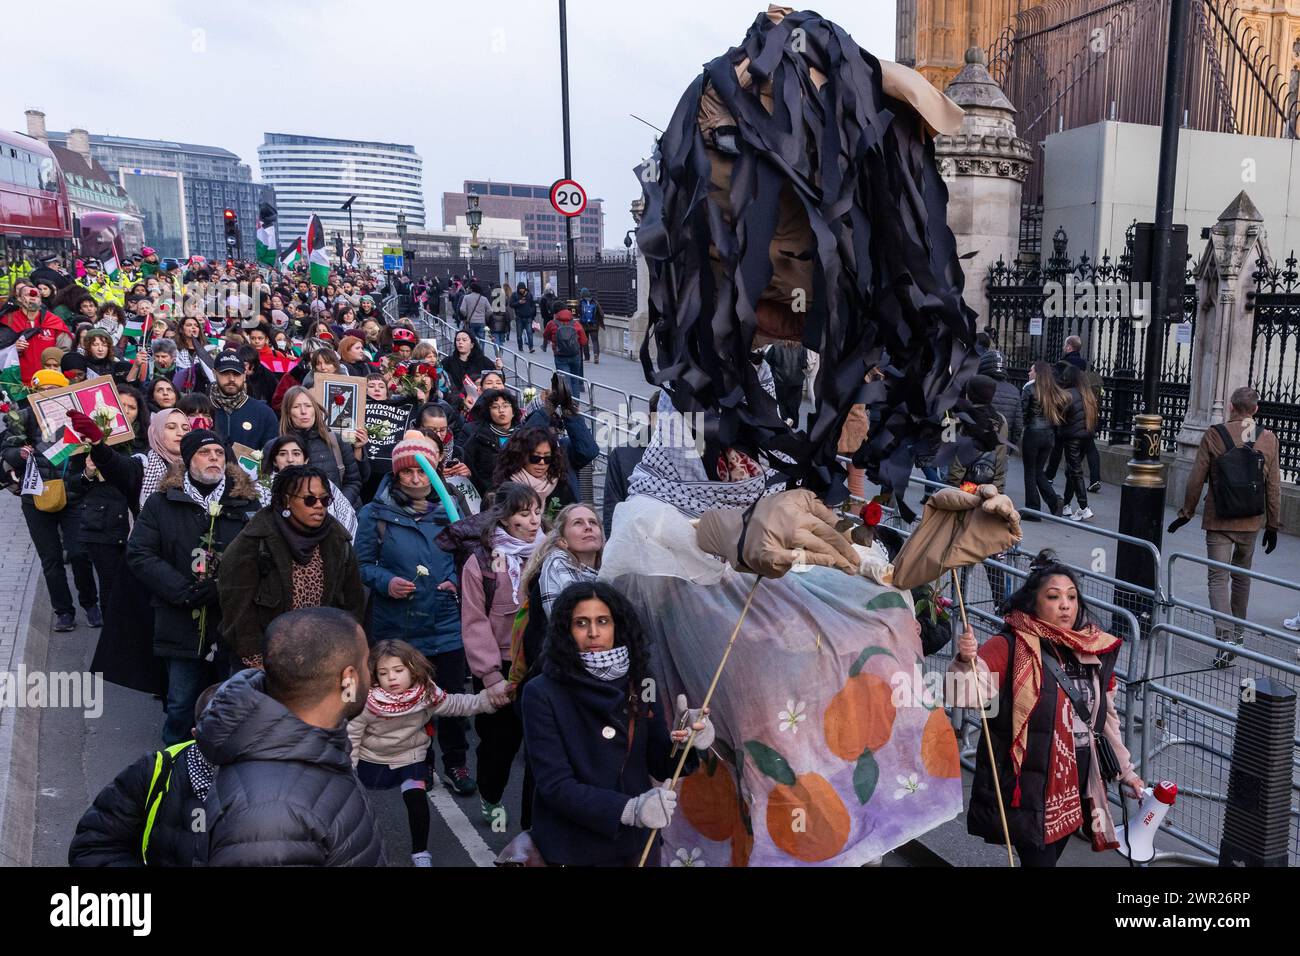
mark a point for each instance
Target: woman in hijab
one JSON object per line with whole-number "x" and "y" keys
{"x": 1055, "y": 735}
{"x": 125, "y": 651}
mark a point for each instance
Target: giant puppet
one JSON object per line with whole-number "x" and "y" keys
{"x": 794, "y": 196}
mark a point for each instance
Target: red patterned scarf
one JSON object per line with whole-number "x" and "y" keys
{"x": 1062, "y": 809}
{"x": 383, "y": 704}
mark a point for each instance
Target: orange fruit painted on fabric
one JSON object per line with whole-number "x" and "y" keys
{"x": 808, "y": 820}
{"x": 710, "y": 803}
{"x": 859, "y": 717}
{"x": 939, "y": 746}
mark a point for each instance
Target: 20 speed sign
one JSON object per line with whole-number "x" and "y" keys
{"x": 568, "y": 198}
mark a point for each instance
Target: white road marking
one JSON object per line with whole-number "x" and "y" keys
{"x": 461, "y": 827}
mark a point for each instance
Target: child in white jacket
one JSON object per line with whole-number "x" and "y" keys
{"x": 389, "y": 738}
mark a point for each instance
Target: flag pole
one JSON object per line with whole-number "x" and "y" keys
{"x": 984, "y": 721}
{"x": 681, "y": 761}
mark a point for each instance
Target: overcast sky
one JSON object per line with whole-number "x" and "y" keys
{"x": 475, "y": 87}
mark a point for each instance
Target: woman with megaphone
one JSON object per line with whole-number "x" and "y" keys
{"x": 1048, "y": 681}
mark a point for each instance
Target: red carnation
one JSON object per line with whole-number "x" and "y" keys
{"x": 340, "y": 399}
{"x": 4, "y": 408}
{"x": 872, "y": 513}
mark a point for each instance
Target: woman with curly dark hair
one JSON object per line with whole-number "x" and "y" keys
{"x": 1056, "y": 734}
{"x": 530, "y": 457}
{"x": 592, "y": 738}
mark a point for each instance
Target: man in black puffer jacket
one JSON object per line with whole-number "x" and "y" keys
{"x": 285, "y": 792}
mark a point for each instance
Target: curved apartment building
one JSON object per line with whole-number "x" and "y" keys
{"x": 314, "y": 174}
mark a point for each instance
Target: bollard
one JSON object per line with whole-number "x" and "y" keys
{"x": 1256, "y": 822}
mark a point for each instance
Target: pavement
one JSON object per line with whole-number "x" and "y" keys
{"x": 54, "y": 760}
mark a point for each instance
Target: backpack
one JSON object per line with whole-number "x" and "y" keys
{"x": 461, "y": 539}
{"x": 1238, "y": 480}
{"x": 587, "y": 310}
{"x": 566, "y": 341}
{"x": 153, "y": 798}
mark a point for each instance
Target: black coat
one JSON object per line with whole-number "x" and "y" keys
{"x": 111, "y": 832}
{"x": 1031, "y": 411}
{"x": 256, "y": 581}
{"x": 480, "y": 453}
{"x": 285, "y": 793}
{"x": 1075, "y": 424}
{"x": 321, "y": 454}
{"x": 161, "y": 554}
{"x": 252, "y": 424}
{"x": 1006, "y": 401}
{"x": 585, "y": 779}
{"x": 1026, "y": 822}
{"x": 107, "y": 508}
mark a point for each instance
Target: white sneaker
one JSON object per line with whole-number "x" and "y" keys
{"x": 1083, "y": 515}
{"x": 1292, "y": 623}
{"x": 422, "y": 859}
{"x": 1067, "y": 511}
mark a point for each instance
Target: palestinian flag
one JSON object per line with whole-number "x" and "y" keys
{"x": 11, "y": 376}
{"x": 267, "y": 249}
{"x": 317, "y": 257}
{"x": 291, "y": 256}
{"x": 137, "y": 326}
{"x": 63, "y": 448}
{"x": 111, "y": 267}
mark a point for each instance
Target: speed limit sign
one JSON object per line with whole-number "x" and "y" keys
{"x": 568, "y": 198}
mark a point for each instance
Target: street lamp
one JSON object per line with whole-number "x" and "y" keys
{"x": 474, "y": 218}
{"x": 348, "y": 206}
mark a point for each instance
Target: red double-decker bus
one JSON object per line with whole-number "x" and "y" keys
{"x": 35, "y": 215}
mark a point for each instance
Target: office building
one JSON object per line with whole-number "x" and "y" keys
{"x": 208, "y": 179}
{"x": 531, "y": 206}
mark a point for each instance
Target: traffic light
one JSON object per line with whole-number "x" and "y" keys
{"x": 232, "y": 227}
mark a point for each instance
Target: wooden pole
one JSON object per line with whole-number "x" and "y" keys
{"x": 984, "y": 721}
{"x": 681, "y": 761}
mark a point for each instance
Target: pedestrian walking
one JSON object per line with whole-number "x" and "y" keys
{"x": 388, "y": 737}
{"x": 1043, "y": 404}
{"x": 593, "y": 320}
{"x": 1055, "y": 734}
{"x": 568, "y": 340}
{"x": 594, "y": 743}
{"x": 1079, "y": 426}
{"x": 525, "y": 310}
{"x": 285, "y": 793}
{"x": 1239, "y": 461}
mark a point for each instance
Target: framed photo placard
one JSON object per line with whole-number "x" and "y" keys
{"x": 96, "y": 397}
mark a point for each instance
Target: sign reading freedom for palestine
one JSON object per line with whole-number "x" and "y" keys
{"x": 385, "y": 424}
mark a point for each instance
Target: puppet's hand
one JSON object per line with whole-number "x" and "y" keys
{"x": 784, "y": 530}
{"x": 1001, "y": 505}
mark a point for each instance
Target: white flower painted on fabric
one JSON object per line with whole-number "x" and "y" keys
{"x": 791, "y": 716}
{"x": 692, "y": 858}
{"x": 908, "y": 784}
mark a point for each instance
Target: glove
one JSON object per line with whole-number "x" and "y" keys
{"x": 703, "y": 738}
{"x": 653, "y": 810}
{"x": 199, "y": 593}
{"x": 1270, "y": 540}
{"x": 85, "y": 426}
{"x": 784, "y": 529}
{"x": 1176, "y": 524}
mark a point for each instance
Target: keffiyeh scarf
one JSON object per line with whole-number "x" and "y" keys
{"x": 155, "y": 470}
{"x": 607, "y": 665}
{"x": 200, "y": 499}
{"x": 383, "y": 704}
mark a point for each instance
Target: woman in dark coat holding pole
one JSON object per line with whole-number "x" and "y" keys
{"x": 592, "y": 742}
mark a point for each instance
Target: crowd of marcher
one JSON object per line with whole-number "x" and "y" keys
{"x": 244, "y": 558}
{"x": 321, "y": 609}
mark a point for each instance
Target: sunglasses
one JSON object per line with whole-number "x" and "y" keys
{"x": 539, "y": 459}
{"x": 311, "y": 501}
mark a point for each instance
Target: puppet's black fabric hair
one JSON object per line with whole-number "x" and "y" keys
{"x": 886, "y": 280}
